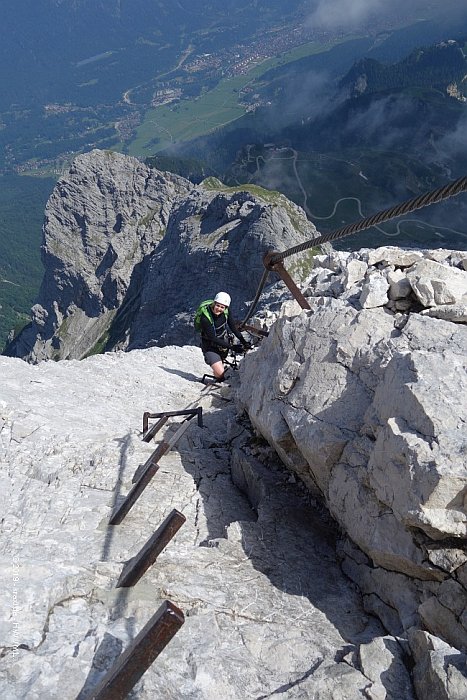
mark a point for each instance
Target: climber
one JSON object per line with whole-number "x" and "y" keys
{"x": 216, "y": 325}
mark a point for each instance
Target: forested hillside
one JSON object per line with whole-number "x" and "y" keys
{"x": 430, "y": 67}
{"x": 22, "y": 204}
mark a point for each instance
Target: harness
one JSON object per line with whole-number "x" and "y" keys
{"x": 221, "y": 330}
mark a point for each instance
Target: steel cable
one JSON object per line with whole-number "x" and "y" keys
{"x": 450, "y": 190}
{"x": 252, "y": 308}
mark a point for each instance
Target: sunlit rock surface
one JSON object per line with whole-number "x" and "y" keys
{"x": 268, "y": 611}
{"x": 368, "y": 407}
{"x": 130, "y": 252}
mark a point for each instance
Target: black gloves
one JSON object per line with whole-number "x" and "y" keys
{"x": 242, "y": 346}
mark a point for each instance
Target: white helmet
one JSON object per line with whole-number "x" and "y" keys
{"x": 222, "y": 298}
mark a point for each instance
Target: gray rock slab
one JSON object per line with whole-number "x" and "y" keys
{"x": 372, "y": 417}
{"x": 374, "y": 291}
{"x": 392, "y": 255}
{"x": 435, "y": 284}
{"x": 456, "y": 313}
{"x": 254, "y": 568}
{"x": 440, "y": 670}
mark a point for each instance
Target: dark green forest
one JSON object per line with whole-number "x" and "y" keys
{"x": 427, "y": 67}
{"x": 22, "y": 204}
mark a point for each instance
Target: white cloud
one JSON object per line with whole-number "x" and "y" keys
{"x": 344, "y": 13}
{"x": 350, "y": 14}
{"x": 455, "y": 143}
{"x": 381, "y": 121}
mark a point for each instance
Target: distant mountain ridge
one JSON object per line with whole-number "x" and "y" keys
{"x": 129, "y": 252}
{"x": 441, "y": 66}
{"x": 346, "y": 148}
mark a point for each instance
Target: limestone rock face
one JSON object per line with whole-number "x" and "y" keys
{"x": 130, "y": 252}
{"x": 368, "y": 407}
{"x": 431, "y": 281}
{"x": 102, "y": 222}
{"x": 435, "y": 284}
{"x": 439, "y": 670}
{"x": 216, "y": 240}
{"x": 254, "y": 569}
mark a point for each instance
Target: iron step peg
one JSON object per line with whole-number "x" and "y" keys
{"x": 145, "y": 473}
{"x": 139, "y": 656}
{"x": 148, "y": 433}
{"x": 136, "y": 567}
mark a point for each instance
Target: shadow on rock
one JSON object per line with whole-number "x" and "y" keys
{"x": 287, "y": 536}
{"x": 106, "y": 655}
{"x": 184, "y": 375}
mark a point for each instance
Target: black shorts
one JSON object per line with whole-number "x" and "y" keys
{"x": 211, "y": 357}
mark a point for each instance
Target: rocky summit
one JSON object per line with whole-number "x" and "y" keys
{"x": 129, "y": 253}
{"x": 102, "y": 222}
{"x": 324, "y": 549}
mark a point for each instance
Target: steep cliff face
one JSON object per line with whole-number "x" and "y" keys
{"x": 367, "y": 404}
{"x": 216, "y": 239}
{"x": 102, "y": 222}
{"x": 130, "y": 252}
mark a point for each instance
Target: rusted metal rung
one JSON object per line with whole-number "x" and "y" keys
{"x": 279, "y": 268}
{"x": 144, "y": 475}
{"x": 121, "y": 510}
{"x": 149, "y": 434}
{"x": 254, "y": 331}
{"x": 163, "y": 416}
{"x": 163, "y": 447}
{"x": 137, "y": 658}
{"x": 139, "y": 564}
{"x": 153, "y": 459}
